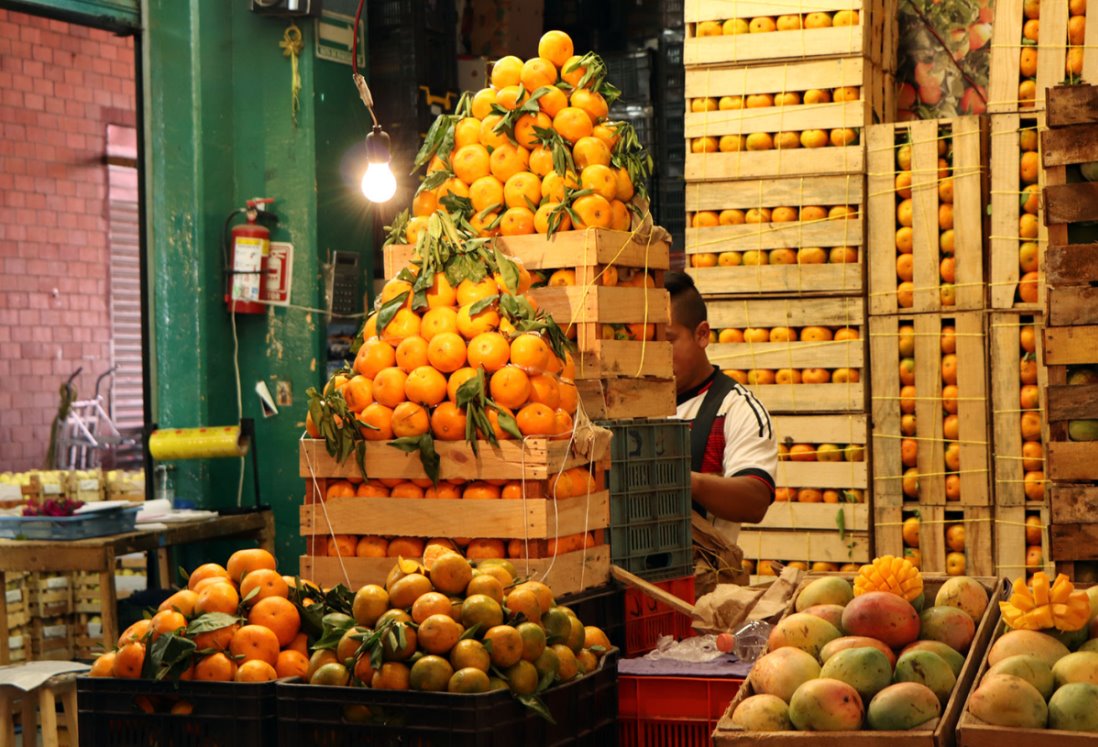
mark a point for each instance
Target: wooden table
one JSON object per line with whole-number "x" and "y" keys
{"x": 97, "y": 555}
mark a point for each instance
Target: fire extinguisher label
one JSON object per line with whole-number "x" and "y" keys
{"x": 247, "y": 264}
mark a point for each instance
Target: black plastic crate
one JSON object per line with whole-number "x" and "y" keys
{"x": 672, "y": 13}
{"x": 643, "y": 120}
{"x": 121, "y": 713}
{"x": 585, "y": 711}
{"x": 650, "y": 502}
{"x": 603, "y": 607}
{"x": 386, "y": 16}
{"x": 631, "y": 72}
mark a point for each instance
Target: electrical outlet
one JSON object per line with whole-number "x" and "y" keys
{"x": 284, "y": 394}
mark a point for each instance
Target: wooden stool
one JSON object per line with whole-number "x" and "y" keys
{"x": 42, "y": 700}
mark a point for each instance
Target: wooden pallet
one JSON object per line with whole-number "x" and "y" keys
{"x": 1073, "y": 534}
{"x": 1071, "y": 268}
{"x": 973, "y": 438}
{"x": 566, "y": 574}
{"x": 875, "y": 105}
{"x": 1052, "y": 46}
{"x": 1003, "y": 237}
{"x": 1067, "y": 460}
{"x": 939, "y": 732}
{"x": 1005, "y": 352}
{"x": 810, "y": 532}
{"x": 846, "y": 190}
{"x": 532, "y": 459}
{"x": 966, "y": 139}
{"x": 1010, "y": 541}
{"x": 873, "y": 39}
{"x": 613, "y": 399}
{"x": 977, "y": 521}
{"x": 827, "y": 312}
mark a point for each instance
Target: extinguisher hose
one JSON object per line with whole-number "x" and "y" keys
{"x": 226, "y": 243}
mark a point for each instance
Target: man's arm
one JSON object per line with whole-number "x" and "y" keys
{"x": 741, "y": 498}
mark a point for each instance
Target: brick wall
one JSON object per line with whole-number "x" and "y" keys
{"x": 60, "y": 86}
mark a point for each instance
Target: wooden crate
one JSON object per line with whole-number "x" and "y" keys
{"x": 809, "y": 532}
{"x": 1071, "y": 268}
{"x": 613, "y": 399}
{"x": 1067, "y": 347}
{"x": 1005, "y": 355}
{"x": 17, "y": 607}
{"x": 1004, "y": 237}
{"x": 933, "y": 523}
{"x": 798, "y": 313}
{"x": 1011, "y": 545}
{"x": 965, "y": 143}
{"x": 1073, "y": 533}
{"x": 842, "y": 430}
{"x": 728, "y": 735}
{"x": 973, "y": 441}
{"x": 873, "y": 38}
{"x": 764, "y": 164}
{"x": 876, "y": 103}
{"x": 1052, "y": 50}
{"x": 52, "y": 639}
{"x": 566, "y": 574}
{"x": 531, "y": 459}
{"x": 50, "y": 594}
{"x": 777, "y": 279}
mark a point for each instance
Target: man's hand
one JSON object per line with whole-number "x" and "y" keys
{"x": 741, "y": 499}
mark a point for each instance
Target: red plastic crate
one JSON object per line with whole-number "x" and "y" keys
{"x": 646, "y": 619}
{"x": 671, "y": 711}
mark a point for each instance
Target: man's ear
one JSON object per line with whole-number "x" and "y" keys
{"x": 701, "y": 334}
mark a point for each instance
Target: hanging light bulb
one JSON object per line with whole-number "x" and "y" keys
{"x": 378, "y": 183}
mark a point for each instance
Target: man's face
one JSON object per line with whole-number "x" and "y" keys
{"x": 687, "y": 351}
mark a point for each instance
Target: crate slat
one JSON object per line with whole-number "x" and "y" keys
{"x": 777, "y": 279}
{"x": 613, "y": 399}
{"x": 825, "y": 312}
{"x": 1010, "y": 541}
{"x": 830, "y": 160}
{"x": 831, "y": 354}
{"x": 823, "y": 429}
{"x": 841, "y": 189}
{"x": 791, "y": 235}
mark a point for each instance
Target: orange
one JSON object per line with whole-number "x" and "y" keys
{"x": 569, "y": 396}
{"x": 1033, "y": 530}
{"x": 731, "y": 27}
{"x": 910, "y": 483}
{"x": 814, "y": 138}
{"x": 393, "y": 675}
{"x": 845, "y": 18}
{"x": 761, "y": 25}
{"x": 1035, "y": 486}
{"x": 507, "y": 160}
{"x": 589, "y": 151}
{"x": 411, "y": 353}
{"x": 485, "y": 193}
{"x": 759, "y": 141}
{"x": 554, "y": 186}
{"x": 411, "y": 419}
{"x": 572, "y": 71}
{"x": 457, "y": 378}
{"x": 103, "y": 665}
{"x": 522, "y": 190}
{"x": 426, "y": 201}
{"x": 448, "y": 423}
{"x": 216, "y": 639}
{"x": 255, "y": 671}
{"x": 592, "y": 211}
{"x": 371, "y": 546}
{"x": 555, "y": 46}
{"x": 280, "y": 615}
{"x": 425, "y": 385}
{"x": 1033, "y": 456}
{"x": 255, "y": 642}
{"x": 517, "y": 221}
{"x": 536, "y": 419}
{"x": 204, "y": 571}
{"x": 590, "y": 102}
{"x": 607, "y": 132}
{"x": 817, "y": 20}
{"x": 167, "y": 621}
{"x": 1029, "y": 287}
{"x": 506, "y": 72}
{"x": 843, "y": 136}
{"x": 405, "y": 323}
{"x": 911, "y": 531}
{"x": 182, "y": 601}
{"x": 1029, "y": 166}
{"x": 530, "y": 352}
{"x": 1031, "y": 426}
{"x": 341, "y": 545}
{"x": 263, "y": 583}
{"x": 470, "y": 163}
{"x": 470, "y": 325}
{"x": 490, "y": 350}
{"x": 372, "y": 357}
{"x": 215, "y": 668}
{"x": 406, "y": 547}
{"x": 1034, "y": 558}
{"x": 480, "y": 491}
{"x": 510, "y": 387}
{"x": 573, "y": 123}
{"x": 218, "y": 597}
{"x": 536, "y": 73}
{"x": 552, "y": 100}
{"x": 377, "y": 422}
{"x": 544, "y": 214}
{"x": 908, "y": 452}
{"x": 446, "y": 351}
{"x": 955, "y": 537}
{"x": 389, "y": 387}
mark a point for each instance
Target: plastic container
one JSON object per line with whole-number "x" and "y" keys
{"x": 81, "y": 526}
{"x": 650, "y": 498}
{"x": 604, "y": 607}
{"x": 631, "y": 72}
{"x": 585, "y": 711}
{"x": 646, "y": 619}
{"x": 137, "y": 713}
{"x": 671, "y": 711}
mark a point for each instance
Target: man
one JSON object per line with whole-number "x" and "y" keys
{"x": 734, "y": 451}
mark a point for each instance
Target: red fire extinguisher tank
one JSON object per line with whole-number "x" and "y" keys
{"x": 251, "y": 244}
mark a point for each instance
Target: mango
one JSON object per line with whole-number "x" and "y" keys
{"x": 902, "y": 706}
{"x": 928, "y": 669}
{"x": 782, "y": 671}
{"x": 1006, "y": 700}
{"x": 828, "y": 590}
{"x": 833, "y": 613}
{"x": 855, "y": 641}
{"x": 884, "y": 616}
{"x": 762, "y": 713}
{"x": 826, "y": 705}
{"x": 1092, "y": 593}
{"x": 1091, "y": 645}
{"x": 1014, "y": 642}
{"x": 801, "y": 630}
{"x": 1073, "y": 639}
{"x": 865, "y": 669}
{"x": 955, "y": 660}
{"x": 1082, "y": 666}
{"x": 1074, "y": 707}
{"x": 964, "y": 593}
{"x": 949, "y": 625}
{"x": 1083, "y": 430}
{"x": 1031, "y": 669}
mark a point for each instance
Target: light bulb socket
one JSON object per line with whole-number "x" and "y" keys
{"x": 377, "y": 146}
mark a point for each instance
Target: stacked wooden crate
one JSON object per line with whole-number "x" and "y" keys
{"x": 927, "y": 339}
{"x": 18, "y": 612}
{"x": 776, "y": 199}
{"x": 1069, "y": 147}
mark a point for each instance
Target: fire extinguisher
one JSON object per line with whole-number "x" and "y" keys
{"x": 246, "y": 249}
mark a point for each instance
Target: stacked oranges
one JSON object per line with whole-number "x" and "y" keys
{"x": 534, "y": 152}
{"x": 1027, "y": 58}
{"x": 239, "y": 617}
{"x": 768, "y": 219}
{"x": 769, "y": 24}
{"x": 955, "y": 559}
{"x": 824, "y": 452}
{"x": 765, "y": 376}
{"x": 1029, "y": 255}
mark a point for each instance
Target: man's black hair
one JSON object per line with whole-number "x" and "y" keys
{"x": 687, "y": 304}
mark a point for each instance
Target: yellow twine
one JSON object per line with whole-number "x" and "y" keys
{"x": 292, "y": 46}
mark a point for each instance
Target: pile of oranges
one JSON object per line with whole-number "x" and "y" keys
{"x": 905, "y": 219}
{"x": 1033, "y": 448}
{"x": 1027, "y": 59}
{"x": 239, "y": 617}
{"x": 810, "y": 97}
{"x": 956, "y": 561}
{"x": 445, "y": 626}
{"x": 802, "y": 452}
{"x": 1029, "y": 169}
{"x": 765, "y": 218}
{"x": 766, "y": 376}
{"x": 768, "y": 24}
{"x": 534, "y": 152}
{"x": 909, "y": 445}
